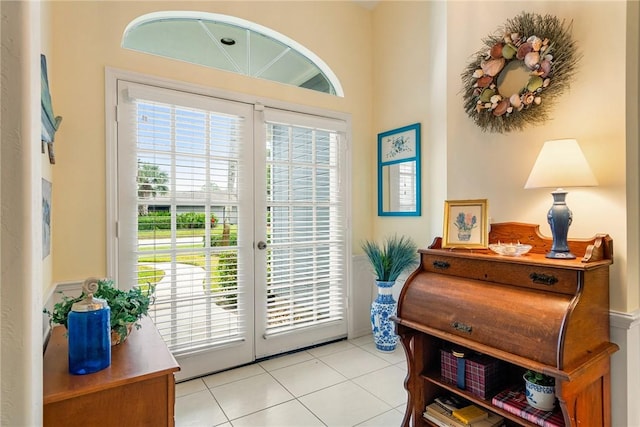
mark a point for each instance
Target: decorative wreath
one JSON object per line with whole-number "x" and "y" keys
{"x": 546, "y": 49}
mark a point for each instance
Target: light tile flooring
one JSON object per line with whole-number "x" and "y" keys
{"x": 346, "y": 383}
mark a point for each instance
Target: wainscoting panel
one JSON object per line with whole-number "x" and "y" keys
{"x": 625, "y": 369}
{"x": 70, "y": 289}
{"x": 361, "y": 297}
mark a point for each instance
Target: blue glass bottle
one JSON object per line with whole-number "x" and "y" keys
{"x": 89, "y": 329}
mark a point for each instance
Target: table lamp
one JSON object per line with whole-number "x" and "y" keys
{"x": 560, "y": 164}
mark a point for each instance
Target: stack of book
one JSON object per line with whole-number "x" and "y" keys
{"x": 449, "y": 411}
{"x": 514, "y": 400}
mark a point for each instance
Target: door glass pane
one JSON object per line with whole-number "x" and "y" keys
{"x": 305, "y": 265}
{"x": 188, "y": 223}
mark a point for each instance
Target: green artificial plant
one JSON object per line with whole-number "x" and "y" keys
{"x": 127, "y": 307}
{"x": 539, "y": 379}
{"x": 395, "y": 256}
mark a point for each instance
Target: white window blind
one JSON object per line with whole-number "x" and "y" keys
{"x": 187, "y": 191}
{"x": 306, "y": 267}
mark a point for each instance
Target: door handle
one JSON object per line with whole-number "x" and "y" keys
{"x": 262, "y": 245}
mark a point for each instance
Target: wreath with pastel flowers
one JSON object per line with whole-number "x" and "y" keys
{"x": 541, "y": 44}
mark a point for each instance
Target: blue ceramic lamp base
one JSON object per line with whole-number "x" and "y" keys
{"x": 559, "y": 218}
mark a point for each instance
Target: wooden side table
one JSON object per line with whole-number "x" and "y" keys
{"x": 138, "y": 389}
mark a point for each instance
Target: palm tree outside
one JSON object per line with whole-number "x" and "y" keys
{"x": 151, "y": 182}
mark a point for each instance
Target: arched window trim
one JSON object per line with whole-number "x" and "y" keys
{"x": 242, "y": 23}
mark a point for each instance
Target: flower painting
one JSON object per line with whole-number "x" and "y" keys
{"x": 466, "y": 224}
{"x": 398, "y": 144}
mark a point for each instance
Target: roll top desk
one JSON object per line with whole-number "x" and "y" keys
{"x": 550, "y": 316}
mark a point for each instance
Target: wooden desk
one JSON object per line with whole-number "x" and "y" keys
{"x": 551, "y": 316}
{"x": 138, "y": 389}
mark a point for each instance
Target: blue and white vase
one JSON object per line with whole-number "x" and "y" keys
{"x": 384, "y": 306}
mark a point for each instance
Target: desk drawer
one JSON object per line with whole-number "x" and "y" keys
{"x": 523, "y": 275}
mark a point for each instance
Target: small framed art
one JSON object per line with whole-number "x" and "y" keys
{"x": 466, "y": 224}
{"x": 399, "y": 178}
{"x": 46, "y": 218}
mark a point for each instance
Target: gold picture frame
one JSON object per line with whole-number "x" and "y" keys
{"x": 466, "y": 224}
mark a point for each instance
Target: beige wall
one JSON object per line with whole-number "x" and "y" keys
{"x": 430, "y": 44}
{"x": 46, "y": 166}
{"x": 460, "y": 161}
{"x": 87, "y": 38}
{"x": 410, "y": 86}
{"x": 20, "y": 217}
{"x": 412, "y": 82}
{"x": 399, "y": 64}
{"x": 84, "y": 39}
{"x": 496, "y": 166}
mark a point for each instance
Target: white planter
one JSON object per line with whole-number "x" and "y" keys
{"x": 541, "y": 397}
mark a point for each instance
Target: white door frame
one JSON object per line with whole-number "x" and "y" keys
{"x": 112, "y": 75}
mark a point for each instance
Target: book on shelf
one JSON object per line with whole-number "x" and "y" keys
{"x": 514, "y": 401}
{"x": 470, "y": 414}
{"x": 451, "y": 402}
{"x": 433, "y": 418}
{"x": 439, "y": 415}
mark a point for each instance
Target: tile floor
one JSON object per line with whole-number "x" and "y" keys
{"x": 347, "y": 383}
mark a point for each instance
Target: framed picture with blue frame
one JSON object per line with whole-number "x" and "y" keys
{"x": 399, "y": 178}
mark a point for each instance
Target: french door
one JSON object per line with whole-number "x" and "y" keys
{"x": 301, "y": 269}
{"x": 234, "y": 216}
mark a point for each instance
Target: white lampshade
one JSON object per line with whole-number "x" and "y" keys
{"x": 561, "y": 163}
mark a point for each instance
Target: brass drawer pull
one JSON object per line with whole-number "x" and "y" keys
{"x": 543, "y": 279}
{"x": 461, "y": 327}
{"x": 442, "y": 265}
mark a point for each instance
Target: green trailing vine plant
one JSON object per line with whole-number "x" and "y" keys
{"x": 544, "y": 46}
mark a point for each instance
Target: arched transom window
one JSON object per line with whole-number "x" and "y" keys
{"x": 231, "y": 44}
